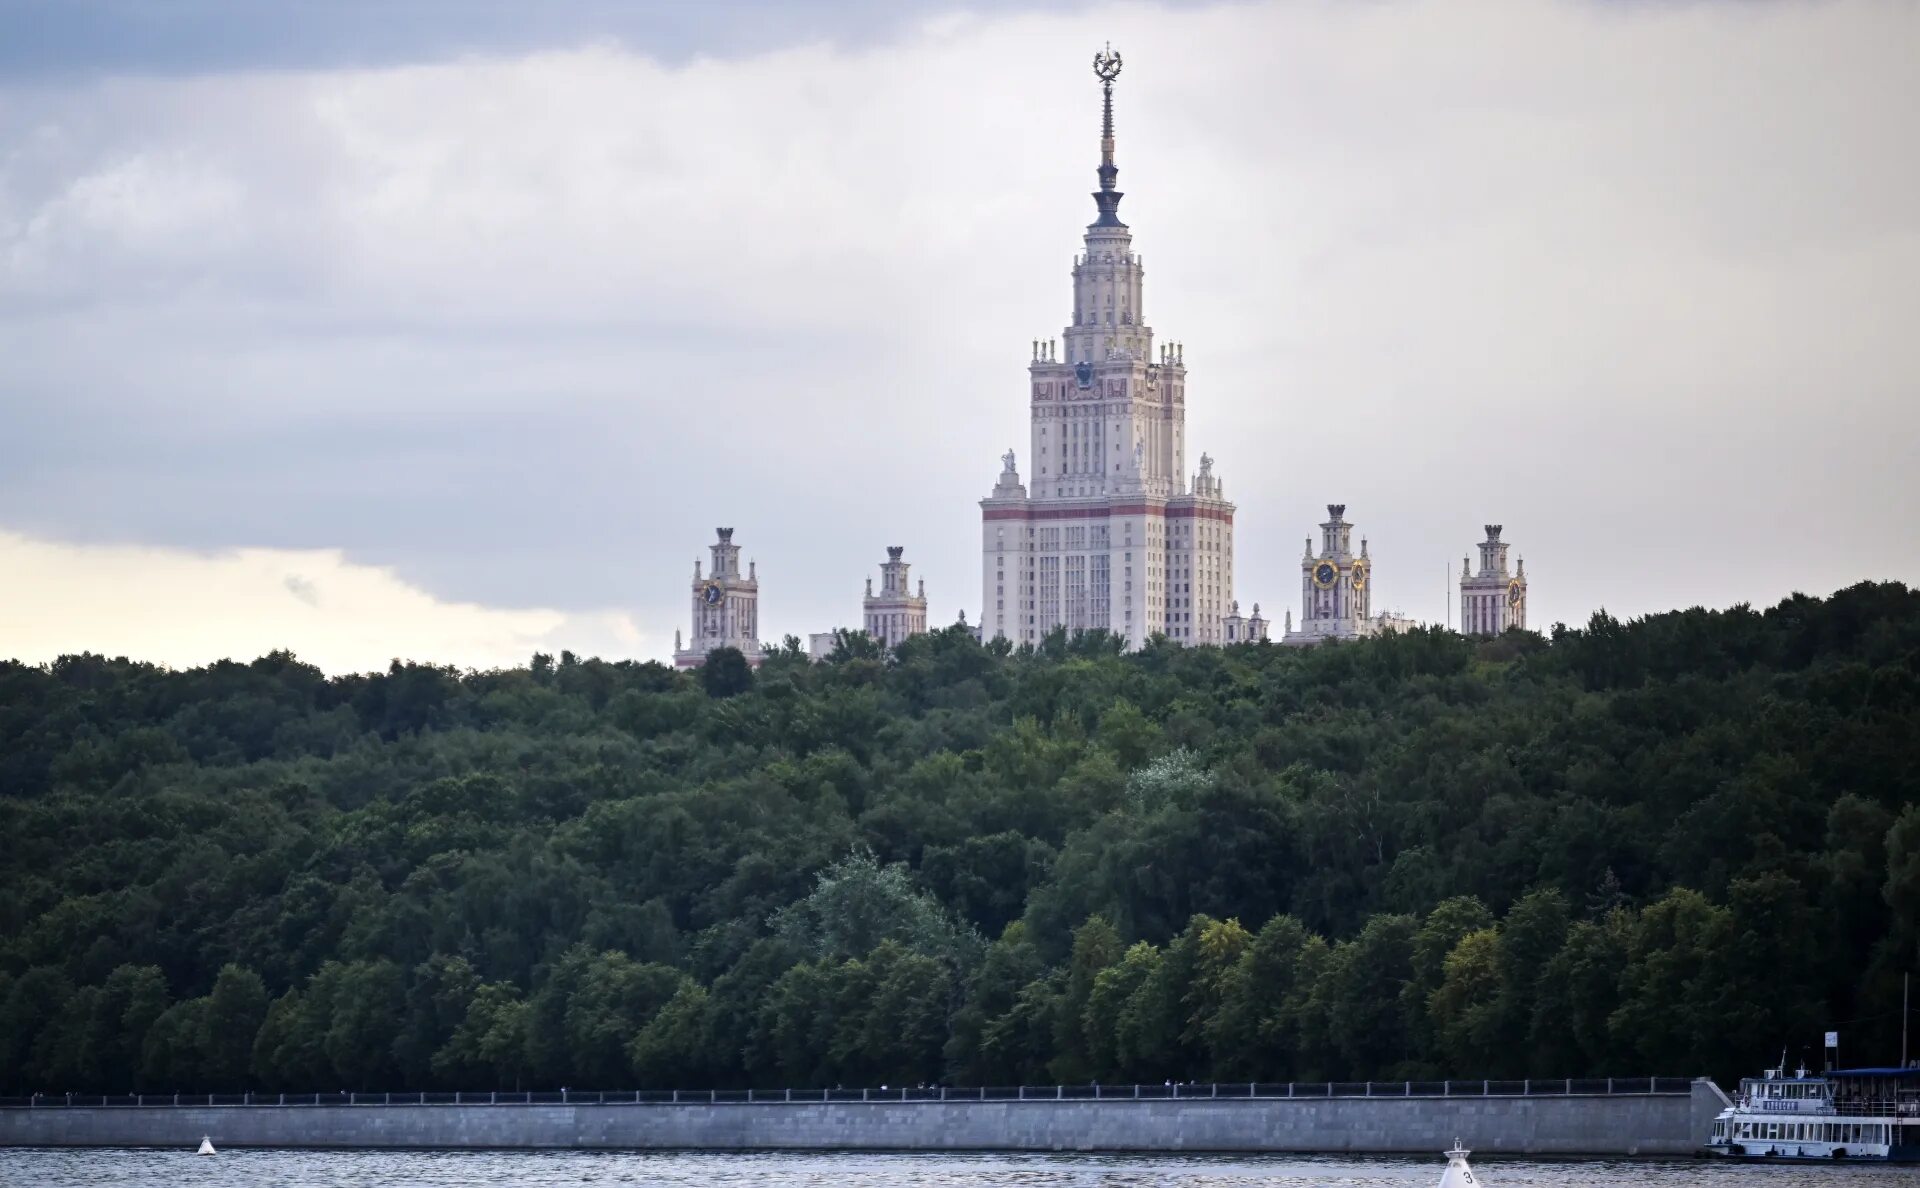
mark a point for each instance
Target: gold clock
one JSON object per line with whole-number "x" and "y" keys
{"x": 1325, "y": 573}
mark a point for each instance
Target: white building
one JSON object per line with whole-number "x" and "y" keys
{"x": 726, "y": 608}
{"x": 894, "y": 614}
{"x": 1336, "y": 588}
{"x": 1112, "y": 533}
{"x": 1241, "y": 628}
{"x": 1492, "y": 600}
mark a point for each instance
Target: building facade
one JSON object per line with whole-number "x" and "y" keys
{"x": 1492, "y": 600}
{"x": 1239, "y": 628}
{"x": 1112, "y": 533}
{"x": 1336, "y": 588}
{"x": 726, "y": 608}
{"x": 894, "y": 613}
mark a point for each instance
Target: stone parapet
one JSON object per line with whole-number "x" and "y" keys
{"x": 1639, "y": 1124}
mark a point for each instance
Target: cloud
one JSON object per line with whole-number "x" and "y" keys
{"x": 55, "y": 38}
{"x": 186, "y": 609}
{"x": 521, "y": 328}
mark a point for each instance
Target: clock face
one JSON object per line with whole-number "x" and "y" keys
{"x": 712, "y": 594}
{"x": 1515, "y": 592}
{"x": 1083, "y": 373}
{"x": 1326, "y": 573}
{"x": 1359, "y": 575}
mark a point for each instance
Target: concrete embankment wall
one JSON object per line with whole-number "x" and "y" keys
{"x": 1663, "y": 1124}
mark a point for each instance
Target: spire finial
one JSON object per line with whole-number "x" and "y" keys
{"x": 1106, "y": 68}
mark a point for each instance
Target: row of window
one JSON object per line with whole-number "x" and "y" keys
{"x": 1838, "y": 1133}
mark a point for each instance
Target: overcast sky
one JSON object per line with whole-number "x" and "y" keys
{"x": 452, "y": 330}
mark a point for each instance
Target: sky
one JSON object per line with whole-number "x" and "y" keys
{"x": 451, "y": 331}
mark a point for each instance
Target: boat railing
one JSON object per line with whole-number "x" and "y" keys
{"x": 1165, "y": 1090}
{"x": 1876, "y": 1109}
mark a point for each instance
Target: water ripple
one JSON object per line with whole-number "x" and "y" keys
{"x": 46, "y": 1168}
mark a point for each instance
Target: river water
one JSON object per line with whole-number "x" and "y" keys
{"x": 483, "y": 1169}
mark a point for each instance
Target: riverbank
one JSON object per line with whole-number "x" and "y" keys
{"x": 1673, "y": 1123}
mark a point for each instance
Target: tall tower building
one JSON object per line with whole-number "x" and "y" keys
{"x": 726, "y": 608}
{"x": 893, "y": 614}
{"x": 1492, "y": 600}
{"x": 1112, "y": 533}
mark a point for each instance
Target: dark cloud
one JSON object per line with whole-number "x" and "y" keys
{"x": 302, "y": 588}
{"x": 65, "y": 37}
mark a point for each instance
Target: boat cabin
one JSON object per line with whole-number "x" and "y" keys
{"x": 1877, "y": 1092}
{"x": 1777, "y": 1093}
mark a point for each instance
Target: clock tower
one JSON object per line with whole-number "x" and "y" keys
{"x": 1336, "y": 589}
{"x": 726, "y": 608}
{"x": 1493, "y": 599}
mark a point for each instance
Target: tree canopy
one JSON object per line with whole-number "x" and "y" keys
{"x": 1670, "y": 845}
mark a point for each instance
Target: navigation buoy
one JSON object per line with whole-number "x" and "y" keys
{"x": 206, "y": 1146}
{"x": 1458, "y": 1174}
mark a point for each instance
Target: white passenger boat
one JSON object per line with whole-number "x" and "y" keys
{"x": 1859, "y": 1113}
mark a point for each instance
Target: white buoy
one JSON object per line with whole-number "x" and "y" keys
{"x": 1458, "y": 1174}
{"x": 206, "y": 1146}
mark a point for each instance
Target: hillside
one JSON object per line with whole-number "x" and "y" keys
{"x": 1671, "y": 845}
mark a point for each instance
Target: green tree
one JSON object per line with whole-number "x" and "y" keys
{"x": 677, "y": 1046}
{"x": 1262, "y": 1030}
{"x": 1078, "y": 1036}
{"x": 489, "y": 1046}
{"x": 1361, "y": 990}
{"x": 1579, "y": 991}
{"x": 175, "y": 1051}
{"x": 1119, "y": 1023}
{"x": 235, "y": 1010}
{"x": 1660, "y": 1021}
{"x": 726, "y": 673}
{"x": 979, "y": 1052}
{"x": 858, "y": 903}
{"x": 1465, "y": 1008}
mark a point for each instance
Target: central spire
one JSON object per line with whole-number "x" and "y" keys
{"x": 1106, "y": 68}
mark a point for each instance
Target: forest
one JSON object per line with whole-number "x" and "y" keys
{"x": 1674, "y": 845}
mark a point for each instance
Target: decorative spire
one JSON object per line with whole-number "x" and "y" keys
{"x": 1106, "y": 68}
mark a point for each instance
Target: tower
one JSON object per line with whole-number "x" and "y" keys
{"x": 1492, "y": 600}
{"x": 1113, "y": 533}
{"x": 1240, "y": 628}
{"x": 726, "y": 607}
{"x": 894, "y": 613}
{"x": 1336, "y": 592}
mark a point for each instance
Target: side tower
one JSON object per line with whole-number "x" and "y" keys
{"x": 726, "y": 608}
{"x": 1242, "y": 629}
{"x": 1492, "y": 600}
{"x": 1110, "y": 536}
{"x": 894, "y": 614}
{"x": 1336, "y": 587}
